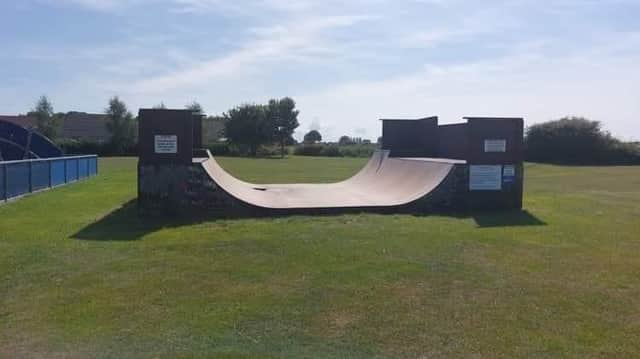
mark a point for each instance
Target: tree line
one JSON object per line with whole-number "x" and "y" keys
{"x": 247, "y": 126}
{"x": 577, "y": 140}
{"x": 569, "y": 140}
{"x": 121, "y": 123}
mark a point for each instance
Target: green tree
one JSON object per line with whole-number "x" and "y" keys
{"x": 345, "y": 141}
{"x": 195, "y": 107}
{"x": 248, "y": 125}
{"x": 312, "y": 136}
{"x": 46, "y": 121}
{"x": 284, "y": 117}
{"x": 121, "y": 125}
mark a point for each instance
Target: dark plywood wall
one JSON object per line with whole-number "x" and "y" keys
{"x": 481, "y": 129}
{"x": 410, "y": 138}
{"x": 453, "y": 141}
{"x": 465, "y": 141}
{"x": 511, "y": 130}
{"x": 197, "y": 130}
{"x": 152, "y": 122}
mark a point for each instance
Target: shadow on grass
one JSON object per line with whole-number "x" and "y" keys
{"x": 507, "y": 219}
{"x": 126, "y": 224}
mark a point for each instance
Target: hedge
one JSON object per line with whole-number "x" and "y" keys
{"x": 84, "y": 147}
{"x": 578, "y": 141}
{"x": 333, "y": 150}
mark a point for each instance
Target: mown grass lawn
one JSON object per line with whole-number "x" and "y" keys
{"x": 82, "y": 276}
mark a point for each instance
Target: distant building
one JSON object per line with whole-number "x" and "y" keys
{"x": 20, "y": 120}
{"x": 75, "y": 125}
{"x": 86, "y": 126}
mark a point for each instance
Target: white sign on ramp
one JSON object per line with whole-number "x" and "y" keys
{"x": 485, "y": 177}
{"x": 495, "y": 145}
{"x": 166, "y": 143}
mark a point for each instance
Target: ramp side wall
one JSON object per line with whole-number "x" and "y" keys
{"x": 453, "y": 141}
{"x": 161, "y": 122}
{"x": 410, "y": 138}
{"x": 480, "y": 130}
{"x": 188, "y": 189}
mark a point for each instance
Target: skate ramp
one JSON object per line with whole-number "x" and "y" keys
{"x": 382, "y": 182}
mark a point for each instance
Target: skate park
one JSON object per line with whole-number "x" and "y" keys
{"x": 319, "y": 179}
{"x": 422, "y": 167}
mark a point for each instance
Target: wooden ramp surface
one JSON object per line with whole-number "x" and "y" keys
{"x": 382, "y": 182}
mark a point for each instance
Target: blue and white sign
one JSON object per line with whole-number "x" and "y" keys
{"x": 485, "y": 177}
{"x": 508, "y": 174}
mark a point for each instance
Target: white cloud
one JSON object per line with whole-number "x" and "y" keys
{"x": 276, "y": 43}
{"x": 532, "y": 86}
{"x": 241, "y": 7}
{"x": 195, "y": 6}
{"x": 102, "y": 5}
{"x": 444, "y": 57}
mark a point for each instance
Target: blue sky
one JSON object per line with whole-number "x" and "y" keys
{"x": 346, "y": 63}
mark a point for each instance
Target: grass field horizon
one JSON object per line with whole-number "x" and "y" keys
{"x": 83, "y": 276}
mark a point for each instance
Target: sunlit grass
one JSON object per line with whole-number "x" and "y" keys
{"x": 83, "y": 276}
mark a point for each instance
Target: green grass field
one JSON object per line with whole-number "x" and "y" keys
{"x": 82, "y": 276}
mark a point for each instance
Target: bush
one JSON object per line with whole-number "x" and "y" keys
{"x": 227, "y": 149}
{"x": 576, "y": 140}
{"x": 84, "y": 147}
{"x": 330, "y": 151}
{"x": 361, "y": 150}
{"x": 268, "y": 151}
{"x": 308, "y": 150}
{"x": 333, "y": 150}
{"x": 219, "y": 149}
{"x": 623, "y": 154}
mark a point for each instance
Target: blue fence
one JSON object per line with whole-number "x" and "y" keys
{"x": 20, "y": 177}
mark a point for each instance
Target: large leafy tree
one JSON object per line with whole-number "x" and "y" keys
{"x": 46, "y": 120}
{"x": 121, "y": 124}
{"x": 284, "y": 117}
{"x": 312, "y": 136}
{"x": 248, "y": 125}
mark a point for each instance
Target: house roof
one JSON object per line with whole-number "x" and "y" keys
{"x": 20, "y": 120}
{"x": 89, "y": 126}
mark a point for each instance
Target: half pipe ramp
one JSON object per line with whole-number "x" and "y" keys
{"x": 382, "y": 182}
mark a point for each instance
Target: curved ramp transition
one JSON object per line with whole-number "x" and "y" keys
{"x": 382, "y": 182}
